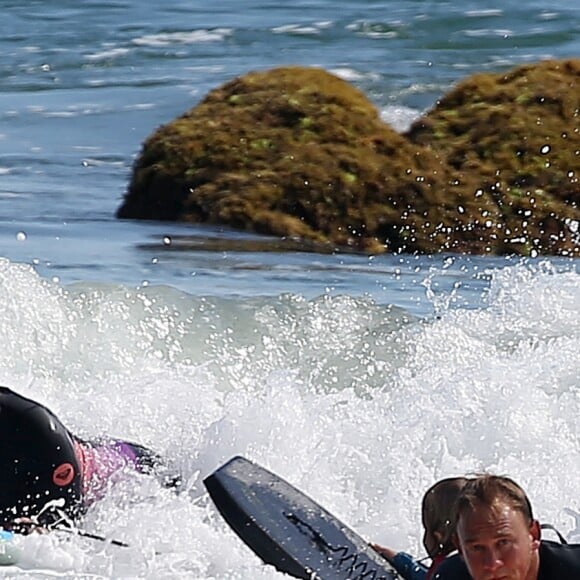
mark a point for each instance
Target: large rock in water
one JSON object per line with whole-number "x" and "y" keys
{"x": 293, "y": 152}
{"x": 298, "y": 152}
{"x": 514, "y": 139}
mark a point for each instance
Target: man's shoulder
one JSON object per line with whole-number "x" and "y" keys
{"x": 558, "y": 548}
{"x": 452, "y": 568}
{"x": 559, "y": 561}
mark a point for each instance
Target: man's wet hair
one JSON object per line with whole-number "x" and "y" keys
{"x": 438, "y": 507}
{"x": 487, "y": 490}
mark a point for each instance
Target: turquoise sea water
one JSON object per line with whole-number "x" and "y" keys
{"x": 360, "y": 379}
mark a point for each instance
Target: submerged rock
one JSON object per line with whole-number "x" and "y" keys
{"x": 514, "y": 138}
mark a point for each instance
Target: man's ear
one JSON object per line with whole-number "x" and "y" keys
{"x": 536, "y": 533}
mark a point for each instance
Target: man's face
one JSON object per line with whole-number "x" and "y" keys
{"x": 498, "y": 543}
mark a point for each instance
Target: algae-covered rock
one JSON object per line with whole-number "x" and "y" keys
{"x": 298, "y": 152}
{"x": 514, "y": 139}
{"x": 293, "y": 152}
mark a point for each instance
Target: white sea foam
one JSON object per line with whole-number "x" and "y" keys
{"x": 298, "y": 29}
{"x": 353, "y": 75}
{"x": 108, "y": 54}
{"x": 400, "y": 117}
{"x": 338, "y": 395}
{"x": 190, "y": 37}
{"x": 483, "y": 32}
{"x": 378, "y": 30}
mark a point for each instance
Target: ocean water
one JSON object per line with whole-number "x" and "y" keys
{"x": 360, "y": 379}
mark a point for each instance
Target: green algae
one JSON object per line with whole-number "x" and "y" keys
{"x": 516, "y": 136}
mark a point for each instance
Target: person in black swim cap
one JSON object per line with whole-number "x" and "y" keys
{"x": 47, "y": 472}
{"x": 38, "y": 462}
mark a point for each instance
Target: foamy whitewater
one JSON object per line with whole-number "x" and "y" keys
{"x": 361, "y": 405}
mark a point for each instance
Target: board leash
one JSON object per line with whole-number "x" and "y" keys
{"x": 91, "y": 536}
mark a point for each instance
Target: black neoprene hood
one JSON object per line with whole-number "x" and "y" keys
{"x": 37, "y": 459}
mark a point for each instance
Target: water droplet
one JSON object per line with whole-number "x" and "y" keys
{"x": 573, "y": 225}
{"x": 21, "y": 236}
{"x": 545, "y": 150}
{"x": 166, "y": 241}
{"x": 154, "y": 260}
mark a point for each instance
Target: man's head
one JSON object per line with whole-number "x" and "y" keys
{"x": 495, "y": 530}
{"x": 437, "y": 513}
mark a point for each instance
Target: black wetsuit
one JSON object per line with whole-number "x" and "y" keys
{"x": 557, "y": 562}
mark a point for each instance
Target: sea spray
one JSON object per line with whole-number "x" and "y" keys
{"x": 361, "y": 405}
